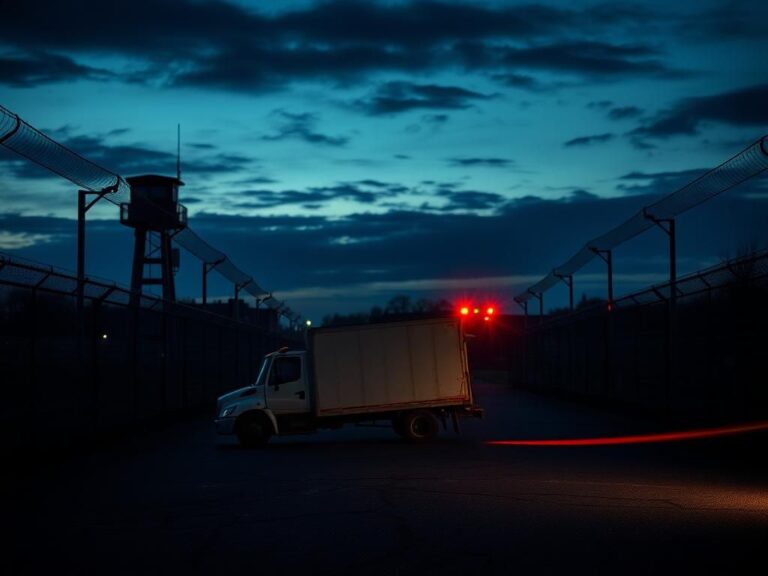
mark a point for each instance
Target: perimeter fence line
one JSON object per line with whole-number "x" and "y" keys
{"x": 24, "y": 274}
{"x": 748, "y": 269}
{"x": 70, "y": 374}
{"x": 22, "y": 138}
{"x": 699, "y": 364}
{"x": 743, "y": 166}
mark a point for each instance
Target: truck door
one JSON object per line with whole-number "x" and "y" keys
{"x": 287, "y": 391}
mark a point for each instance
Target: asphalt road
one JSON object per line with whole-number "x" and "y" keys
{"x": 360, "y": 501}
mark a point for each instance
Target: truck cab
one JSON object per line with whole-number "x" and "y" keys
{"x": 280, "y": 394}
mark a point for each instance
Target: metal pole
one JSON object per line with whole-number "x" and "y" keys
{"x": 568, "y": 279}
{"x": 671, "y": 231}
{"x": 235, "y": 310}
{"x": 82, "y": 209}
{"x": 609, "y": 260}
{"x": 672, "y": 264}
{"x": 541, "y": 308}
{"x": 207, "y": 268}
{"x": 525, "y": 309}
{"x": 80, "y": 248}
{"x": 607, "y": 257}
{"x": 205, "y": 284}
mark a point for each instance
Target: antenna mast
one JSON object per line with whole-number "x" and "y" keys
{"x": 178, "y": 151}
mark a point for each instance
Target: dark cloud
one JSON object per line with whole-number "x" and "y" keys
{"x": 435, "y": 119}
{"x": 317, "y": 196}
{"x": 657, "y": 183}
{"x": 485, "y": 162}
{"x": 581, "y": 195}
{"x": 98, "y": 25}
{"x": 124, "y": 159}
{"x": 624, "y": 112}
{"x": 128, "y": 159}
{"x": 374, "y": 183}
{"x": 588, "y": 140}
{"x": 14, "y": 222}
{"x": 593, "y": 59}
{"x": 249, "y": 68}
{"x": 24, "y": 71}
{"x": 225, "y": 46}
{"x": 743, "y": 107}
{"x": 389, "y": 187}
{"x": 732, "y": 20}
{"x": 301, "y": 127}
{"x": 423, "y": 23}
{"x": 522, "y": 81}
{"x": 397, "y": 97}
{"x": 470, "y": 200}
{"x": 256, "y": 180}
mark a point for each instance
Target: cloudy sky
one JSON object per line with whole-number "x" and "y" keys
{"x": 344, "y": 152}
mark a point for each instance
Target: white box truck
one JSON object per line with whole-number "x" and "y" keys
{"x": 412, "y": 374}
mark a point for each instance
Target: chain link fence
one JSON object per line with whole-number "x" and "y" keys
{"x": 67, "y": 376}
{"x": 701, "y": 361}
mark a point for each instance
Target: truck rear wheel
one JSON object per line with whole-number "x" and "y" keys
{"x": 420, "y": 426}
{"x": 253, "y": 430}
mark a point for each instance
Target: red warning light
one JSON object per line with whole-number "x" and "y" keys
{"x": 477, "y": 310}
{"x": 486, "y": 318}
{"x": 490, "y": 310}
{"x": 464, "y": 310}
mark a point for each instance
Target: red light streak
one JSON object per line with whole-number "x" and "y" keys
{"x": 640, "y": 438}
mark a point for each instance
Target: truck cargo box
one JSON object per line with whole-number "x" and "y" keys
{"x": 389, "y": 367}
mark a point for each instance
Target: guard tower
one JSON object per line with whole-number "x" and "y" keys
{"x": 155, "y": 215}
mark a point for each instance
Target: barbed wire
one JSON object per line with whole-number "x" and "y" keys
{"x": 747, "y": 164}
{"x": 28, "y": 274}
{"x": 27, "y": 141}
{"x": 751, "y": 269}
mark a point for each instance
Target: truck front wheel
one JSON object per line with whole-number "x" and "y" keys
{"x": 253, "y": 430}
{"x": 420, "y": 426}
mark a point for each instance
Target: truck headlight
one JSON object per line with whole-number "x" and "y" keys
{"x": 229, "y": 410}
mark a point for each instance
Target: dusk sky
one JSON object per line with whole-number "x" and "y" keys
{"x": 345, "y": 152}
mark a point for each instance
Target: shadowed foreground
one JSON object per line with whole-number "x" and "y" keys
{"x": 359, "y": 500}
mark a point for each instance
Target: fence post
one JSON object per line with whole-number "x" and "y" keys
{"x": 667, "y": 225}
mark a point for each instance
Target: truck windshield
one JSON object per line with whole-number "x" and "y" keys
{"x": 262, "y": 373}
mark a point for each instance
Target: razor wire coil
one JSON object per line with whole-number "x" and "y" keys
{"x": 743, "y": 166}
{"x": 29, "y": 142}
